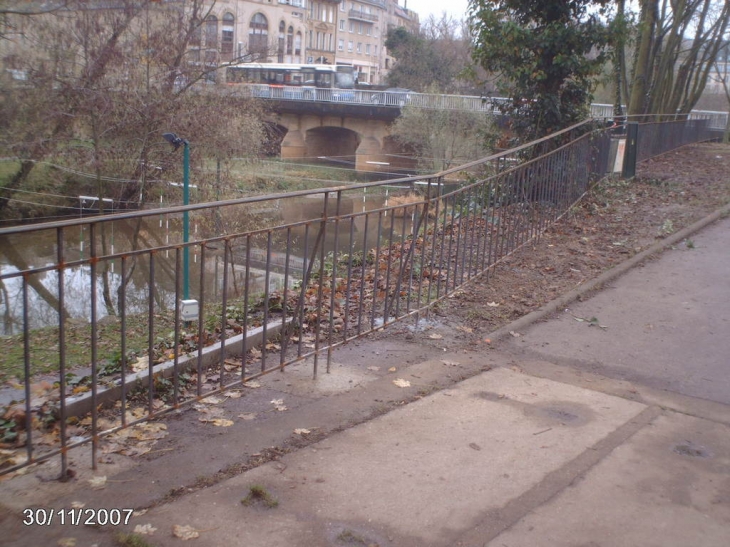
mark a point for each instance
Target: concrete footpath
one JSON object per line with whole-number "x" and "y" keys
{"x": 606, "y": 424}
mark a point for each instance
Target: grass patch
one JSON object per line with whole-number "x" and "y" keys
{"x": 348, "y": 537}
{"x": 259, "y": 495}
{"x": 131, "y": 540}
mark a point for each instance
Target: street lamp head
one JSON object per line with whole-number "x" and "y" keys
{"x": 174, "y": 140}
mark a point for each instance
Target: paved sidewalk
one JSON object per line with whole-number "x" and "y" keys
{"x": 606, "y": 425}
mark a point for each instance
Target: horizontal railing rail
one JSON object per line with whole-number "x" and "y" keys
{"x": 275, "y": 281}
{"x": 401, "y": 98}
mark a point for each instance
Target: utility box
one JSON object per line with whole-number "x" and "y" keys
{"x": 189, "y": 310}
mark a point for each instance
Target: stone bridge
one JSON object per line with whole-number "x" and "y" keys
{"x": 340, "y": 130}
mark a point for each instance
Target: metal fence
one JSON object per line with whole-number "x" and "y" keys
{"x": 401, "y": 98}
{"x": 94, "y": 307}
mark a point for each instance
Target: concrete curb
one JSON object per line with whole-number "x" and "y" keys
{"x": 82, "y": 404}
{"x": 617, "y": 271}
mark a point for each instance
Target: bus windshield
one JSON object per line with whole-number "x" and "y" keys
{"x": 344, "y": 80}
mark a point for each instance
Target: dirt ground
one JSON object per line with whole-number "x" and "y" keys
{"x": 617, "y": 220}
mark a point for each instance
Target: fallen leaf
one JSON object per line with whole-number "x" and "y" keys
{"x": 435, "y": 336}
{"x": 392, "y": 369}
{"x": 221, "y": 422}
{"x": 77, "y": 505}
{"x": 279, "y": 404}
{"x": 218, "y": 422}
{"x": 487, "y": 341}
{"x": 515, "y": 334}
{"x": 492, "y": 304}
{"x": 97, "y": 483}
{"x": 374, "y": 368}
{"x": 234, "y": 395}
{"x": 143, "y": 363}
{"x": 475, "y": 446}
{"x": 212, "y": 400}
{"x": 451, "y": 363}
{"x": 253, "y": 384}
{"x": 184, "y": 532}
{"x": 467, "y": 330}
{"x": 400, "y": 382}
{"x": 145, "y": 529}
{"x": 67, "y": 542}
{"x": 302, "y": 431}
{"x": 247, "y": 416}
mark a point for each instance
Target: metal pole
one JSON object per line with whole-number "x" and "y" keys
{"x": 186, "y": 220}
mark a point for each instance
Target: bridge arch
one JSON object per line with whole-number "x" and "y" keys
{"x": 310, "y": 136}
{"x": 333, "y": 142}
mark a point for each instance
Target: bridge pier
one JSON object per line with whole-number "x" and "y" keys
{"x": 369, "y": 156}
{"x": 293, "y": 145}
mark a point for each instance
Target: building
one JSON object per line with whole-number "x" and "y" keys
{"x": 349, "y": 32}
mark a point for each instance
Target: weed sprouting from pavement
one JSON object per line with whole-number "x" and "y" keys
{"x": 257, "y": 493}
{"x": 131, "y": 540}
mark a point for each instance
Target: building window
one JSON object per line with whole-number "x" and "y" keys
{"x": 367, "y": 49}
{"x": 298, "y": 44}
{"x": 289, "y": 40}
{"x": 195, "y": 37}
{"x": 368, "y": 30}
{"x": 349, "y": 46}
{"x": 342, "y": 6}
{"x": 342, "y": 24}
{"x": 359, "y": 47}
{"x": 359, "y": 30}
{"x": 352, "y": 26}
{"x": 227, "y": 34}
{"x": 211, "y": 32}
{"x": 280, "y": 43}
{"x": 341, "y": 44}
{"x": 258, "y": 36}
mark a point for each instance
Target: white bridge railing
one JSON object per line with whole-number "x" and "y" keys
{"x": 400, "y": 98}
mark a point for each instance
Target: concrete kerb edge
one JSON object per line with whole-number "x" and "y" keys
{"x": 615, "y": 272}
{"x": 78, "y": 406}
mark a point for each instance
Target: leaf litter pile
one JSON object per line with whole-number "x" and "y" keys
{"x": 615, "y": 221}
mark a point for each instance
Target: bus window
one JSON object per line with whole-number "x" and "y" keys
{"x": 344, "y": 80}
{"x": 324, "y": 79}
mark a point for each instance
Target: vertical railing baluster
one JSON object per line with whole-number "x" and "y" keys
{"x": 176, "y": 345}
{"x": 244, "y": 331}
{"x": 93, "y": 259}
{"x": 151, "y": 335}
{"x": 285, "y": 301}
{"x": 333, "y": 280}
{"x": 27, "y": 371}
{"x": 363, "y": 270}
{"x": 123, "y": 332}
{"x": 61, "y": 262}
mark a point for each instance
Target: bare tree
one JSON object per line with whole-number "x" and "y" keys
{"x": 678, "y": 40}
{"x": 442, "y": 137}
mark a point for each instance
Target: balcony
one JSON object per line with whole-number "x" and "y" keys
{"x": 360, "y": 15}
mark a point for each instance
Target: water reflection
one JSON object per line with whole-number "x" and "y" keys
{"x": 356, "y": 229}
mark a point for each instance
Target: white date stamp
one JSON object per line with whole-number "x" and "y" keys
{"x": 41, "y": 516}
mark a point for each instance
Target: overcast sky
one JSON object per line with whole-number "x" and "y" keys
{"x": 424, "y": 8}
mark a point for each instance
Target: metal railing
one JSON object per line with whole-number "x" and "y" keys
{"x": 399, "y": 99}
{"x": 277, "y": 280}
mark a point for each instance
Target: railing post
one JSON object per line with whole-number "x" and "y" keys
{"x": 630, "y": 153}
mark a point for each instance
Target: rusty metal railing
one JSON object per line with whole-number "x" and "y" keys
{"x": 276, "y": 280}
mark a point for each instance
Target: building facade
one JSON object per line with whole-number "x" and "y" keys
{"x": 348, "y": 32}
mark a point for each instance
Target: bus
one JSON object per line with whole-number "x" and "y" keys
{"x": 297, "y": 75}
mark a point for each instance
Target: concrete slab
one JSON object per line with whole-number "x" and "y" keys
{"x": 668, "y": 486}
{"x": 418, "y": 476}
{"x": 666, "y": 323}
